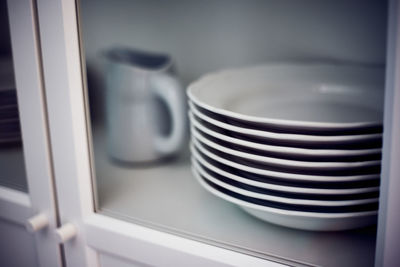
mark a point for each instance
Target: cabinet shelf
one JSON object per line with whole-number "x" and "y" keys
{"x": 167, "y": 197}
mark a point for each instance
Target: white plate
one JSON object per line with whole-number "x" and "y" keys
{"x": 281, "y": 175}
{"x": 290, "y": 164}
{"x": 291, "y": 139}
{"x": 276, "y": 165}
{"x": 284, "y": 188}
{"x": 283, "y": 151}
{"x": 312, "y": 96}
{"x": 314, "y": 221}
{"x": 282, "y": 198}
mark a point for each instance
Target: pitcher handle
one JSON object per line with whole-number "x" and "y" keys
{"x": 170, "y": 91}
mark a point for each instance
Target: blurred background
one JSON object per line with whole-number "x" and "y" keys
{"x": 204, "y": 36}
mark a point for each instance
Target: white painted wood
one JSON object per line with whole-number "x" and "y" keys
{"x": 17, "y": 246}
{"x": 64, "y": 93}
{"x": 109, "y": 261}
{"x": 37, "y": 223}
{"x": 30, "y": 92}
{"x": 388, "y": 243}
{"x": 15, "y": 206}
{"x": 141, "y": 244}
{"x": 66, "y": 232}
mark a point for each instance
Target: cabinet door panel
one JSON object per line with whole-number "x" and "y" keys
{"x": 17, "y": 246}
{"x": 131, "y": 211}
{"x": 109, "y": 261}
{"x": 25, "y": 46}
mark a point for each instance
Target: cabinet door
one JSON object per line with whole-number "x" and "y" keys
{"x": 97, "y": 234}
{"x": 27, "y": 199}
{"x": 112, "y": 213}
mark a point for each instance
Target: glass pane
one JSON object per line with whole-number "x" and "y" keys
{"x": 141, "y": 56}
{"x": 12, "y": 166}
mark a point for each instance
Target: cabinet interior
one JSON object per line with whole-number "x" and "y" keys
{"x": 202, "y": 37}
{"x": 12, "y": 164}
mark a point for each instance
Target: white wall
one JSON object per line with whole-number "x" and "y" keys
{"x": 207, "y": 35}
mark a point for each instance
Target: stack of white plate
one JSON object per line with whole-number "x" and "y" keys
{"x": 295, "y": 145}
{"x": 10, "y": 132}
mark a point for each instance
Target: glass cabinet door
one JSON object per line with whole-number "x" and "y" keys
{"x": 27, "y": 200}
{"x": 134, "y": 181}
{"x": 12, "y": 165}
{"x": 116, "y": 76}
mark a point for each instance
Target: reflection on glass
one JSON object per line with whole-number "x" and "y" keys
{"x": 12, "y": 166}
{"x": 141, "y": 55}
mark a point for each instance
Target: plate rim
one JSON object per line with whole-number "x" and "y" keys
{"x": 306, "y": 138}
{"x": 283, "y": 162}
{"x": 284, "y": 200}
{"x": 286, "y": 176}
{"x": 281, "y": 122}
{"x": 306, "y": 214}
{"x": 287, "y": 149}
{"x": 292, "y": 189}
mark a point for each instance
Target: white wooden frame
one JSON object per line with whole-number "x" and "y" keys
{"x": 388, "y": 241}
{"x": 62, "y": 77}
{"x": 15, "y": 206}
{"x": 36, "y": 147}
{"x": 69, "y": 134}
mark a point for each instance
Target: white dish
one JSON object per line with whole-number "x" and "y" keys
{"x": 283, "y": 150}
{"x": 281, "y": 198}
{"x": 314, "y": 221}
{"x": 291, "y": 139}
{"x": 286, "y": 166}
{"x": 284, "y": 188}
{"x": 281, "y": 175}
{"x": 312, "y": 96}
{"x": 304, "y": 165}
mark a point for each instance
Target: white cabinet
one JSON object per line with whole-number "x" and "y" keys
{"x": 16, "y": 241}
{"x": 157, "y": 215}
{"x": 35, "y": 193}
